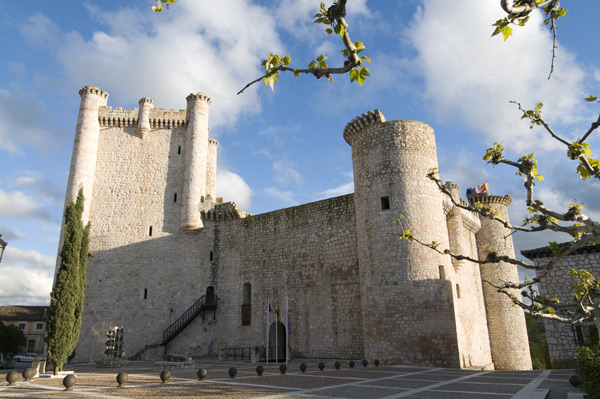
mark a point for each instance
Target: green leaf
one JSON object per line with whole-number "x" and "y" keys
{"x": 339, "y": 29}
{"x": 286, "y": 60}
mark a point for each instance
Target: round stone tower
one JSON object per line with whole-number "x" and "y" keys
{"x": 85, "y": 147}
{"x": 196, "y": 155}
{"x": 506, "y": 321}
{"x": 146, "y": 105}
{"x": 400, "y": 280}
{"x": 211, "y": 169}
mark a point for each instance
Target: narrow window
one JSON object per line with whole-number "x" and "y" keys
{"x": 457, "y": 291}
{"x": 39, "y": 326}
{"x": 442, "y": 273}
{"x": 31, "y": 345}
{"x": 150, "y": 231}
{"x": 211, "y": 256}
{"x": 385, "y": 203}
{"x": 247, "y": 304}
{"x": 175, "y": 197}
{"x": 145, "y": 293}
{"x": 22, "y": 326}
{"x": 179, "y": 150}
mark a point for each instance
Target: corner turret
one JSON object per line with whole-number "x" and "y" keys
{"x": 85, "y": 147}
{"x": 146, "y": 105}
{"x": 196, "y": 156}
{"x": 506, "y": 321}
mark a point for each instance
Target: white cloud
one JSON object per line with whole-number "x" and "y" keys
{"x": 233, "y": 188}
{"x": 16, "y": 204}
{"x": 286, "y": 197}
{"x": 196, "y": 46}
{"x": 337, "y": 191}
{"x": 470, "y": 78}
{"x": 286, "y": 173}
{"x": 26, "y": 277}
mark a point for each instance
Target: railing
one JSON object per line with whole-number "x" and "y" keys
{"x": 187, "y": 317}
{"x": 244, "y": 353}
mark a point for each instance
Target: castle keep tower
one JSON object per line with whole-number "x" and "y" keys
{"x": 506, "y": 321}
{"x": 85, "y": 147}
{"x": 196, "y": 157}
{"x": 400, "y": 280}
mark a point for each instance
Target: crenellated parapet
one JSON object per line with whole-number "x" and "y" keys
{"x": 94, "y": 91}
{"x": 223, "y": 212}
{"x": 360, "y": 122}
{"x": 484, "y": 199}
{"x": 158, "y": 118}
{"x": 198, "y": 97}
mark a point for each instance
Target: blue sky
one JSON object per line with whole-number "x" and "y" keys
{"x": 432, "y": 61}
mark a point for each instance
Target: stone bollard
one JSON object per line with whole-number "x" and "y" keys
{"x": 303, "y": 367}
{"x": 69, "y": 382}
{"x": 122, "y": 378}
{"x": 282, "y": 369}
{"x": 321, "y": 366}
{"x": 165, "y": 375}
{"x": 337, "y": 364}
{"x": 202, "y": 373}
{"x": 260, "y": 370}
{"x": 232, "y": 372}
{"x": 12, "y": 377}
{"x": 365, "y": 363}
{"x": 28, "y": 374}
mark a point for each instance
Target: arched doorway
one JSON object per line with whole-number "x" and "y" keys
{"x": 277, "y": 342}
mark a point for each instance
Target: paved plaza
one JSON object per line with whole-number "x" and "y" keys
{"x": 388, "y": 382}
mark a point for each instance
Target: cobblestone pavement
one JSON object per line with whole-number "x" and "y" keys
{"x": 358, "y": 382}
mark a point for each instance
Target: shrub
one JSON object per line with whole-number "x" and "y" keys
{"x": 588, "y": 367}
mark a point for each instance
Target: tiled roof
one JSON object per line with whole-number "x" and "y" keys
{"x": 23, "y": 313}
{"x": 545, "y": 252}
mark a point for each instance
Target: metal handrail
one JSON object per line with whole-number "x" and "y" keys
{"x": 178, "y": 325}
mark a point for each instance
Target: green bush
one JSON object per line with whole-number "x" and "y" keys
{"x": 588, "y": 367}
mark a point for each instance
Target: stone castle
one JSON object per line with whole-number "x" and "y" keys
{"x": 184, "y": 273}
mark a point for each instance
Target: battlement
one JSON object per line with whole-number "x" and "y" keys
{"x": 360, "y": 122}
{"x": 485, "y": 199}
{"x": 198, "y": 96}
{"x": 222, "y": 212}
{"x": 93, "y": 90}
{"x": 212, "y": 142}
{"x": 159, "y": 118}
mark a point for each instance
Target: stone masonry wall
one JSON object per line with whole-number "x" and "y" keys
{"x": 560, "y": 336}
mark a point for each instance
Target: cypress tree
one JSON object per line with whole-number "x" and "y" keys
{"x": 66, "y": 299}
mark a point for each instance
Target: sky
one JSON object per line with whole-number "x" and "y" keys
{"x": 432, "y": 61}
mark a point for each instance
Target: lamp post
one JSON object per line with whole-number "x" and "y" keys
{"x": 2, "y": 246}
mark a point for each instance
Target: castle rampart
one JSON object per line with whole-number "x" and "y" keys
{"x": 355, "y": 291}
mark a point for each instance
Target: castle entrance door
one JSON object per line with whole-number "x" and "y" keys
{"x": 277, "y": 342}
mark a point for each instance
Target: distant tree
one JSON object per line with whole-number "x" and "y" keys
{"x": 12, "y": 339}
{"x": 66, "y": 299}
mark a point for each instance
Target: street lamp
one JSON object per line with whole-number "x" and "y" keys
{"x": 2, "y": 246}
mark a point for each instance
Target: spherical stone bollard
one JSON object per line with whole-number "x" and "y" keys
{"x": 321, "y": 366}
{"x": 282, "y": 369}
{"x": 122, "y": 378}
{"x": 351, "y": 364}
{"x": 575, "y": 380}
{"x": 232, "y": 372}
{"x": 303, "y": 367}
{"x": 165, "y": 375}
{"x": 337, "y": 364}
{"x": 202, "y": 373}
{"x": 28, "y": 374}
{"x": 69, "y": 382}
{"x": 12, "y": 377}
{"x": 260, "y": 370}
{"x": 376, "y": 362}
{"x": 365, "y": 363}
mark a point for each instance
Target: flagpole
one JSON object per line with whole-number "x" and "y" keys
{"x": 276, "y": 333}
{"x": 268, "y": 322}
{"x": 287, "y": 323}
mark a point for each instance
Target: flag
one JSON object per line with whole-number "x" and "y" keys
{"x": 481, "y": 189}
{"x": 277, "y": 312}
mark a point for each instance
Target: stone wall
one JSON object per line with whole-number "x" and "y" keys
{"x": 561, "y": 337}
